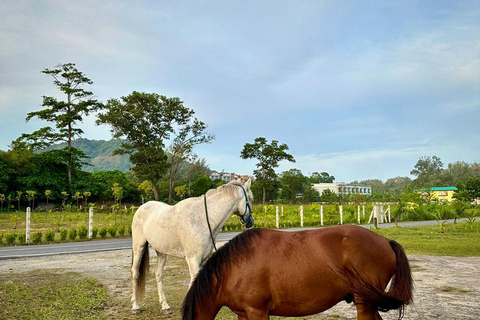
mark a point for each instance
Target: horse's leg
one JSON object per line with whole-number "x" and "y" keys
{"x": 193, "y": 267}
{"x": 365, "y": 312}
{"x": 255, "y": 314}
{"x": 138, "y": 250}
{"x": 161, "y": 260}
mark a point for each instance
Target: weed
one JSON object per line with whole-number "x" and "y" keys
{"x": 63, "y": 234}
{"x": 37, "y": 237}
{"x": 82, "y": 232}
{"x": 49, "y": 236}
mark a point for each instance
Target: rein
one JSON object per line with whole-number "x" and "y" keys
{"x": 208, "y": 222}
{"x": 242, "y": 218}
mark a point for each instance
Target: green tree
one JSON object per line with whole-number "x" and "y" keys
{"x": 427, "y": 170}
{"x": 65, "y": 114}
{"x": 146, "y": 121}
{"x": 181, "y": 150}
{"x": 322, "y": 177}
{"x": 293, "y": 183}
{"x": 201, "y": 185}
{"x": 268, "y": 156}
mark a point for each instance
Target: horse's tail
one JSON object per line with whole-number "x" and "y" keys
{"x": 400, "y": 292}
{"x": 401, "y": 286}
{"x": 143, "y": 270}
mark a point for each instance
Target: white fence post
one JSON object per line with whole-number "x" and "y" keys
{"x": 276, "y": 216}
{"x": 389, "y": 216}
{"x": 301, "y": 216}
{"x": 321, "y": 215}
{"x": 282, "y": 211}
{"x": 358, "y": 212}
{"x": 340, "y": 207}
{"x": 90, "y": 223}
{"x": 363, "y": 209}
{"x": 27, "y": 233}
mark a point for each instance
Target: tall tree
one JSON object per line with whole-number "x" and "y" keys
{"x": 268, "y": 156}
{"x": 65, "y": 114}
{"x": 323, "y": 177}
{"x": 293, "y": 182}
{"x": 181, "y": 150}
{"x": 427, "y": 170}
{"x": 147, "y": 121}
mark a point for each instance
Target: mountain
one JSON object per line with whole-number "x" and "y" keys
{"x": 100, "y": 153}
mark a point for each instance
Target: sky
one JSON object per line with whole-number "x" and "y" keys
{"x": 358, "y": 89}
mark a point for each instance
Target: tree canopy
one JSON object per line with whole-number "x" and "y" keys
{"x": 146, "y": 121}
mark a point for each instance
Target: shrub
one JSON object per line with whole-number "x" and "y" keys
{"x": 10, "y": 237}
{"x": 82, "y": 232}
{"x": 121, "y": 231}
{"x": 21, "y": 238}
{"x": 113, "y": 231}
{"x": 94, "y": 233}
{"x": 1, "y": 238}
{"x": 63, "y": 234}
{"x": 37, "y": 237}
{"x": 72, "y": 234}
{"x": 49, "y": 236}
{"x": 103, "y": 232}
{"x": 130, "y": 229}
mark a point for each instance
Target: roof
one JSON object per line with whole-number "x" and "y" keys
{"x": 440, "y": 189}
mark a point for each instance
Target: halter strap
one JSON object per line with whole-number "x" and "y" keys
{"x": 208, "y": 221}
{"x": 247, "y": 207}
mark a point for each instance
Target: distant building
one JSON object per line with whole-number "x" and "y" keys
{"x": 343, "y": 188}
{"x": 227, "y": 176}
{"x": 441, "y": 194}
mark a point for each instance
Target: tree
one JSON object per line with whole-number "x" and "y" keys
{"x": 427, "y": 171}
{"x": 268, "y": 156}
{"x": 181, "y": 149}
{"x": 293, "y": 182}
{"x": 323, "y": 177}
{"x": 146, "y": 121}
{"x": 201, "y": 185}
{"x": 65, "y": 114}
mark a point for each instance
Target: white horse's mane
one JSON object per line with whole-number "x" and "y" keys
{"x": 229, "y": 188}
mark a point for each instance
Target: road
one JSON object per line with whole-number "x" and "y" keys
{"x": 119, "y": 244}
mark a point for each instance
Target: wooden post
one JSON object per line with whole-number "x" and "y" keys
{"x": 90, "y": 223}
{"x": 340, "y": 207}
{"x": 27, "y": 233}
{"x": 389, "y": 216}
{"x": 301, "y": 216}
{"x": 358, "y": 213}
{"x": 276, "y": 216}
{"x": 363, "y": 209}
{"x": 321, "y": 215}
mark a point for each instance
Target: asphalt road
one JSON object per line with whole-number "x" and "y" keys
{"x": 27, "y": 251}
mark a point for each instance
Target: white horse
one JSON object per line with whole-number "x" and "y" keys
{"x": 187, "y": 229}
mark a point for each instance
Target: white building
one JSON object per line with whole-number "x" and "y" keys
{"x": 343, "y": 188}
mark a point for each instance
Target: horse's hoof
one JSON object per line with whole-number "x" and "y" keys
{"x": 167, "y": 311}
{"x": 136, "y": 311}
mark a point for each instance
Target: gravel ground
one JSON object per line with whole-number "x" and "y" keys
{"x": 445, "y": 287}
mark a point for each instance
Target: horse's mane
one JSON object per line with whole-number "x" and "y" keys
{"x": 207, "y": 281}
{"x": 229, "y": 188}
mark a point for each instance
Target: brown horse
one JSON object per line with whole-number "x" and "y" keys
{"x": 263, "y": 272}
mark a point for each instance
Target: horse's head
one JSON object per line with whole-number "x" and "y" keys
{"x": 244, "y": 209}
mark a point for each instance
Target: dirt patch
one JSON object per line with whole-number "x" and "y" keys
{"x": 445, "y": 287}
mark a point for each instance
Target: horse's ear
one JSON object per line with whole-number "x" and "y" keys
{"x": 247, "y": 184}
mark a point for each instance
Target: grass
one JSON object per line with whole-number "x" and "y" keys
{"x": 51, "y": 295}
{"x": 460, "y": 239}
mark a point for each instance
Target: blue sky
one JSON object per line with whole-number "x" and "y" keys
{"x": 359, "y": 89}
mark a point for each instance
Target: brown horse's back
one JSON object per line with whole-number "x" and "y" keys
{"x": 305, "y": 272}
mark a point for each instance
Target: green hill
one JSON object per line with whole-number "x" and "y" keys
{"x": 100, "y": 153}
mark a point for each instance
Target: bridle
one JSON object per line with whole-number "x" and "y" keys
{"x": 247, "y": 208}
{"x": 242, "y": 217}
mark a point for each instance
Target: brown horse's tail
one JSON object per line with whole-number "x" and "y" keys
{"x": 143, "y": 271}
{"x": 400, "y": 292}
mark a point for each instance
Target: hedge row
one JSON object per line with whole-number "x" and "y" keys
{"x": 63, "y": 235}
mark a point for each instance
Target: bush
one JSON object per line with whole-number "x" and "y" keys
{"x": 72, "y": 234}
{"x": 21, "y": 238}
{"x": 94, "y": 233}
{"x": 1, "y": 238}
{"x": 103, "y": 232}
{"x": 113, "y": 231}
{"x": 63, "y": 234}
{"x": 121, "y": 231}
{"x": 82, "y": 232}
{"x": 49, "y": 236}
{"x": 10, "y": 237}
{"x": 37, "y": 237}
